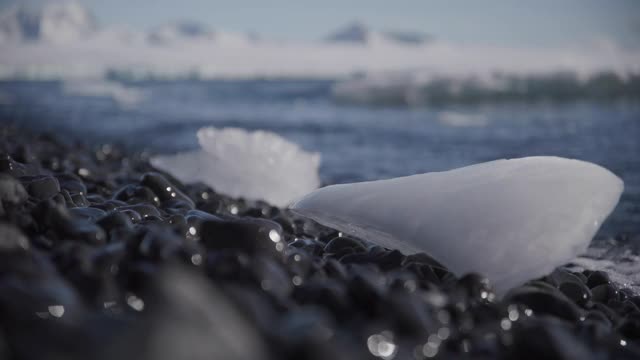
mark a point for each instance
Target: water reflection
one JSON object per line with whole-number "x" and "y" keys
{"x": 382, "y": 345}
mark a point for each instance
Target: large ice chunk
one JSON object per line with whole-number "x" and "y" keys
{"x": 257, "y": 165}
{"x": 512, "y": 220}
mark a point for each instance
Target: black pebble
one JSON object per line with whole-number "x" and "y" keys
{"x": 598, "y": 278}
{"x": 41, "y": 187}
{"x": 247, "y": 234}
{"x": 604, "y": 293}
{"x": 544, "y": 301}
{"x": 577, "y": 292}
{"x": 164, "y": 189}
{"x": 338, "y": 244}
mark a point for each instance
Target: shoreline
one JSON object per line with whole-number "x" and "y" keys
{"x": 97, "y": 246}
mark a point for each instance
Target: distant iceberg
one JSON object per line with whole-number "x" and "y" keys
{"x": 256, "y": 165}
{"x": 511, "y": 220}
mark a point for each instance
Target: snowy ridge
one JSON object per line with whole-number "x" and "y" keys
{"x": 402, "y": 67}
{"x": 55, "y": 22}
{"x": 358, "y": 33}
{"x": 180, "y": 31}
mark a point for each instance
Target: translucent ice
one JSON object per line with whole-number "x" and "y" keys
{"x": 512, "y": 220}
{"x": 257, "y": 165}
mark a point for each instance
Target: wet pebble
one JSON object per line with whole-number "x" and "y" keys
{"x": 143, "y": 210}
{"x": 135, "y": 194}
{"x": 71, "y": 183}
{"x": 115, "y": 220}
{"x": 604, "y": 293}
{"x": 576, "y": 291}
{"x": 164, "y": 189}
{"x": 41, "y": 187}
{"x": 311, "y": 246}
{"x": 247, "y": 234}
{"x": 545, "y": 302}
{"x": 90, "y": 214}
{"x": 598, "y": 278}
{"x": 339, "y": 244}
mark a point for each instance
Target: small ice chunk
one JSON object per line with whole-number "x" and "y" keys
{"x": 512, "y": 220}
{"x": 258, "y": 165}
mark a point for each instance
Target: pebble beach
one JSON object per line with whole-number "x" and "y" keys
{"x": 105, "y": 257}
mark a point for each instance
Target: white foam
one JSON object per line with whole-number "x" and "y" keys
{"x": 258, "y": 165}
{"x": 122, "y": 95}
{"x": 512, "y": 220}
{"x": 462, "y": 119}
{"x": 620, "y": 261}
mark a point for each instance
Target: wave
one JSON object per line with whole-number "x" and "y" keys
{"x": 416, "y": 89}
{"x": 618, "y": 257}
{"x": 122, "y": 95}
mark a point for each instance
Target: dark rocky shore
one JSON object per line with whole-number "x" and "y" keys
{"x": 104, "y": 257}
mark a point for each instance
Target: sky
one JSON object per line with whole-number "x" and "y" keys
{"x": 539, "y": 23}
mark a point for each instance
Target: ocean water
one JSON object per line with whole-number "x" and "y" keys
{"x": 356, "y": 142}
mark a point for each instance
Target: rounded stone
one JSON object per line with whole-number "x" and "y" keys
{"x": 338, "y": 244}
{"x": 164, "y": 189}
{"x": 544, "y": 301}
{"x": 248, "y": 234}
{"x": 476, "y": 287}
{"x": 115, "y": 220}
{"x": 71, "y": 183}
{"x": 598, "y": 278}
{"x": 604, "y": 293}
{"x": 578, "y": 292}
{"x": 41, "y": 187}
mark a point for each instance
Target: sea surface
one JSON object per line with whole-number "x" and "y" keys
{"x": 356, "y": 142}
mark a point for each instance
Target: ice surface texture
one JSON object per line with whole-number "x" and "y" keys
{"x": 511, "y": 220}
{"x": 257, "y": 165}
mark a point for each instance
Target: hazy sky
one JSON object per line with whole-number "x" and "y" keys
{"x": 503, "y": 22}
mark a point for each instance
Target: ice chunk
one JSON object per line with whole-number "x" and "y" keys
{"x": 512, "y": 220}
{"x": 257, "y": 165}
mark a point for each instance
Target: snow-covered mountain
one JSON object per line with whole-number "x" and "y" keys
{"x": 358, "y": 33}
{"x": 194, "y": 33}
{"x": 63, "y": 41}
{"x": 67, "y": 22}
{"x": 63, "y": 22}
{"x": 180, "y": 31}
{"x": 55, "y": 22}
